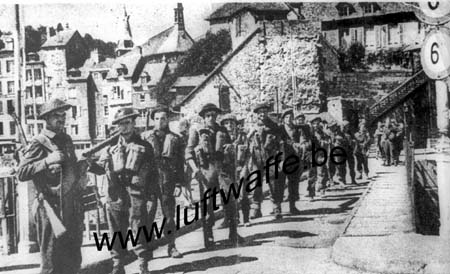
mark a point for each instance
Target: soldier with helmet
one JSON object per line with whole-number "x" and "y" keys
{"x": 205, "y": 154}
{"x": 50, "y": 162}
{"x": 322, "y": 140}
{"x": 291, "y": 136}
{"x": 130, "y": 167}
{"x": 237, "y": 158}
{"x": 169, "y": 158}
{"x": 349, "y": 147}
{"x": 265, "y": 141}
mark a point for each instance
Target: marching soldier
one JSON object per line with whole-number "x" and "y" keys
{"x": 205, "y": 153}
{"x": 237, "y": 159}
{"x": 291, "y": 135}
{"x": 349, "y": 147}
{"x": 322, "y": 140}
{"x": 51, "y": 163}
{"x": 362, "y": 139}
{"x": 265, "y": 141}
{"x": 304, "y": 150}
{"x": 338, "y": 140}
{"x": 132, "y": 179}
{"x": 169, "y": 159}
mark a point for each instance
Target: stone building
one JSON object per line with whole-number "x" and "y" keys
{"x": 135, "y": 75}
{"x": 7, "y": 95}
{"x": 281, "y": 61}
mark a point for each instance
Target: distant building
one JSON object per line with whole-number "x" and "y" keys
{"x": 134, "y": 76}
{"x": 185, "y": 84}
{"x": 7, "y": 95}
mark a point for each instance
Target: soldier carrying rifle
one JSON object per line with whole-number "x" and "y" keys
{"x": 50, "y": 162}
{"x": 205, "y": 155}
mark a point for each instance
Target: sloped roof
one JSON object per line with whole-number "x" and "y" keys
{"x": 189, "y": 81}
{"x": 169, "y": 40}
{"x": 229, "y": 9}
{"x": 60, "y": 39}
{"x": 129, "y": 61}
{"x": 155, "y": 71}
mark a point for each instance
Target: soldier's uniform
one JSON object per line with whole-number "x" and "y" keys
{"x": 206, "y": 147}
{"x": 322, "y": 140}
{"x": 63, "y": 192}
{"x": 169, "y": 158}
{"x": 362, "y": 138}
{"x": 347, "y": 142}
{"x": 303, "y": 148}
{"x": 265, "y": 141}
{"x": 291, "y": 136}
{"x": 236, "y": 157}
{"x": 132, "y": 180}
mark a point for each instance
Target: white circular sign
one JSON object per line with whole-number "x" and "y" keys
{"x": 435, "y": 54}
{"x": 434, "y": 12}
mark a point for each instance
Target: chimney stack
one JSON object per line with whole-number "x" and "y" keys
{"x": 179, "y": 17}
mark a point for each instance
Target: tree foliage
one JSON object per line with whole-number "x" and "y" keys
{"x": 200, "y": 59}
{"x": 205, "y": 54}
{"x": 352, "y": 58}
{"x": 105, "y": 49}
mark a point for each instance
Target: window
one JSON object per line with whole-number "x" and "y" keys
{"x": 106, "y": 111}
{"x": 9, "y": 106}
{"x": 1, "y": 92}
{"x": 238, "y": 26}
{"x": 370, "y": 7}
{"x": 345, "y": 9}
{"x": 142, "y": 97}
{"x": 40, "y": 127}
{"x": 74, "y": 129}
{"x": 28, "y": 74}
{"x": 74, "y": 112}
{"x": 30, "y": 129}
{"x": 12, "y": 128}
{"x": 37, "y": 74}
{"x": 1, "y": 107}
{"x": 1, "y": 128}
{"x": 9, "y": 66}
{"x": 118, "y": 93}
{"x": 38, "y": 109}
{"x": 10, "y": 87}
{"x": 38, "y": 91}
{"x": 28, "y": 93}
{"x": 29, "y": 112}
{"x": 224, "y": 98}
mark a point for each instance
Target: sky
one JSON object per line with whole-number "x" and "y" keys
{"x": 104, "y": 20}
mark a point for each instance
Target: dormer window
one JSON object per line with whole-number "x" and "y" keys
{"x": 370, "y": 7}
{"x": 145, "y": 78}
{"x": 345, "y": 9}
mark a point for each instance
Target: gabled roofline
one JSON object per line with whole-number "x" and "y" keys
{"x": 219, "y": 66}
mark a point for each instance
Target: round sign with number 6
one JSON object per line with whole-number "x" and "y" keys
{"x": 435, "y": 54}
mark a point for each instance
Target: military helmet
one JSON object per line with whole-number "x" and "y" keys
{"x": 317, "y": 118}
{"x": 300, "y": 114}
{"x": 209, "y": 107}
{"x": 289, "y": 111}
{"x": 52, "y": 106}
{"x": 227, "y": 117}
{"x": 124, "y": 113}
{"x": 260, "y": 106}
{"x": 159, "y": 108}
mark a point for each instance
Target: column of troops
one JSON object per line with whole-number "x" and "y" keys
{"x": 157, "y": 165}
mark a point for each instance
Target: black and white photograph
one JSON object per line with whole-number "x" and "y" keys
{"x": 217, "y": 136}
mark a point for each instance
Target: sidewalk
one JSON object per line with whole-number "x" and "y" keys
{"x": 380, "y": 237}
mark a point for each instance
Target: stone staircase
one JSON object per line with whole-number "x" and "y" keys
{"x": 396, "y": 96}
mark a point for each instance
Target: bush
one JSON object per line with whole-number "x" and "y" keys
{"x": 352, "y": 58}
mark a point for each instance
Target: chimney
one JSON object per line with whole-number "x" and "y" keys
{"x": 179, "y": 18}
{"x": 94, "y": 56}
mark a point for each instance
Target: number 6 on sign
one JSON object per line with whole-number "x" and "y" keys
{"x": 435, "y": 54}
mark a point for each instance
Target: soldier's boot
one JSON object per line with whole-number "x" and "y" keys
{"x": 118, "y": 269}
{"x": 173, "y": 252}
{"x": 234, "y": 238}
{"x": 209, "y": 237}
{"x": 277, "y": 211}
{"x": 143, "y": 266}
{"x": 225, "y": 222}
{"x": 246, "y": 215}
{"x": 255, "y": 211}
{"x": 293, "y": 209}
